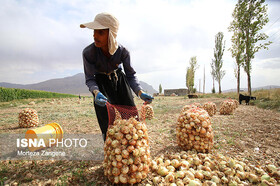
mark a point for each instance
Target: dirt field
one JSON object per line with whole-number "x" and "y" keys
{"x": 250, "y": 134}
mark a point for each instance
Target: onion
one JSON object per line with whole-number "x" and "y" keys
{"x": 194, "y": 183}
{"x": 128, "y": 136}
{"x": 138, "y": 175}
{"x": 271, "y": 168}
{"x": 224, "y": 180}
{"x": 136, "y": 152}
{"x": 125, "y": 129}
{"x": 116, "y": 171}
{"x": 132, "y": 142}
{"x": 215, "y": 179}
{"x": 240, "y": 175}
{"x": 125, "y": 169}
{"x": 170, "y": 168}
{"x": 190, "y": 175}
{"x": 162, "y": 171}
{"x": 185, "y": 164}
{"x": 170, "y": 178}
{"x": 119, "y": 164}
{"x": 133, "y": 168}
{"x": 119, "y": 157}
{"x": 179, "y": 183}
{"x": 159, "y": 161}
{"x": 175, "y": 163}
{"x": 198, "y": 175}
{"x": 167, "y": 162}
{"x": 253, "y": 178}
{"x": 132, "y": 180}
{"x": 116, "y": 179}
{"x": 154, "y": 165}
{"x": 119, "y": 136}
{"x": 123, "y": 178}
{"x": 130, "y": 148}
{"x": 179, "y": 174}
{"x": 111, "y": 132}
{"x": 156, "y": 180}
{"x": 118, "y": 151}
{"x": 115, "y": 143}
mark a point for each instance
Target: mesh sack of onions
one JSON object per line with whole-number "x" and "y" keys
{"x": 28, "y": 118}
{"x": 227, "y": 107}
{"x": 211, "y": 108}
{"x": 126, "y": 151}
{"x": 147, "y": 112}
{"x": 194, "y": 130}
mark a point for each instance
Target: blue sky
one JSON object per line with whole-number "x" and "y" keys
{"x": 41, "y": 40}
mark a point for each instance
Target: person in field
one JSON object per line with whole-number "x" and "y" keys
{"x": 108, "y": 71}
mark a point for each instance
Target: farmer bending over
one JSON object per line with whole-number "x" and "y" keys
{"x": 103, "y": 72}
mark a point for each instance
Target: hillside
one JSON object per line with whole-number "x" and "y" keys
{"x": 69, "y": 85}
{"x": 253, "y": 89}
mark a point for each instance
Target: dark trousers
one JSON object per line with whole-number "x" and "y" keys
{"x": 117, "y": 91}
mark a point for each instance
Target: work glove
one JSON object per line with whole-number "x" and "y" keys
{"x": 100, "y": 99}
{"x": 146, "y": 97}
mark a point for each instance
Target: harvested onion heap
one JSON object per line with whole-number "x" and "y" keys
{"x": 227, "y": 107}
{"x": 147, "y": 112}
{"x": 127, "y": 154}
{"x": 190, "y": 168}
{"x": 28, "y": 118}
{"x": 211, "y": 108}
{"x": 194, "y": 130}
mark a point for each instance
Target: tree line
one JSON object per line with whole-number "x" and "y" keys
{"x": 249, "y": 17}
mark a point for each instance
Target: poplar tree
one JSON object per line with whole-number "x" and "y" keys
{"x": 189, "y": 80}
{"x": 213, "y": 76}
{"x": 190, "y": 73}
{"x": 237, "y": 50}
{"x": 160, "y": 88}
{"x": 249, "y": 17}
{"x": 217, "y": 62}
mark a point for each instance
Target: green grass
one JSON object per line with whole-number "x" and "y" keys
{"x": 266, "y": 99}
{"x": 9, "y": 94}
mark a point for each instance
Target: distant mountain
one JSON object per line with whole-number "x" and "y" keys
{"x": 253, "y": 89}
{"x": 70, "y": 85}
{"x": 147, "y": 88}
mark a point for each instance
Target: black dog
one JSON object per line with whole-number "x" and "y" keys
{"x": 246, "y": 98}
{"x": 192, "y": 96}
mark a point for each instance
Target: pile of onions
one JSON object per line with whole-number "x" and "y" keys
{"x": 210, "y": 107}
{"x": 147, "y": 112}
{"x": 28, "y": 118}
{"x": 191, "y": 168}
{"x": 126, "y": 151}
{"x": 227, "y": 107}
{"x": 194, "y": 130}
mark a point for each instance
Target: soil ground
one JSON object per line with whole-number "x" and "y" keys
{"x": 250, "y": 134}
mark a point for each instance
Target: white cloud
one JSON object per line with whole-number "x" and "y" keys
{"x": 42, "y": 39}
